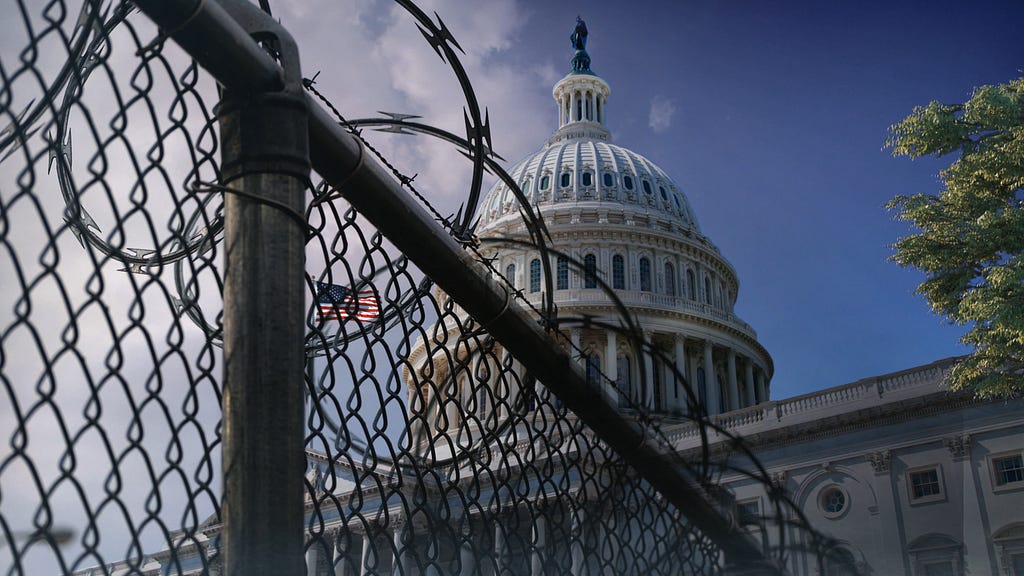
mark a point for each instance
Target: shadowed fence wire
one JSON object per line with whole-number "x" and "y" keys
{"x": 430, "y": 448}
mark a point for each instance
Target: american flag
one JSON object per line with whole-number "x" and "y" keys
{"x": 339, "y": 303}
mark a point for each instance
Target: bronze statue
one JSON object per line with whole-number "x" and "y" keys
{"x": 579, "y": 35}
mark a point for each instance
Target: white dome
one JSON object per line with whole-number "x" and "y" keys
{"x": 621, "y": 234}
{"x": 590, "y": 173}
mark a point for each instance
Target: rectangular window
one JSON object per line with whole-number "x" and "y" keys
{"x": 748, "y": 512}
{"x": 924, "y": 484}
{"x": 1008, "y": 469}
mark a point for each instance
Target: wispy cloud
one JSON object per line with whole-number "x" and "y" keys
{"x": 660, "y": 117}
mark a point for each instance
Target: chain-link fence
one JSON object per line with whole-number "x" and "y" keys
{"x": 161, "y": 260}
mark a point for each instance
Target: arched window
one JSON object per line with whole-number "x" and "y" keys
{"x": 664, "y": 196}
{"x": 608, "y": 179}
{"x": 588, "y": 179}
{"x": 535, "y": 275}
{"x": 562, "y": 273}
{"x": 526, "y": 187}
{"x": 670, "y": 279}
{"x": 510, "y": 274}
{"x": 618, "y": 272}
{"x": 545, "y": 181}
{"x": 593, "y": 369}
{"x": 645, "y": 275}
{"x": 627, "y": 181}
{"x": 691, "y": 285}
{"x": 840, "y": 562}
{"x": 590, "y": 271}
{"x": 707, "y": 290}
{"x": 647, "y": 187}
{"x": 566, "y": 179}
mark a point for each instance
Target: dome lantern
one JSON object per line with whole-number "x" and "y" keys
{"x": 581, "y": 96}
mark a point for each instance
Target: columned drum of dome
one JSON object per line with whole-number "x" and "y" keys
{"x": 617, "y": 213}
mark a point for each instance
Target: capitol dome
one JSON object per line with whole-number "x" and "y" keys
{"x": 620, "y": 232}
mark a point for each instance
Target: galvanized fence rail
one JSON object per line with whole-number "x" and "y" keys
{"x": 234, "y": 339}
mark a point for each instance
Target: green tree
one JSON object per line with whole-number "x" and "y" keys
{"x": 969, "y": 238}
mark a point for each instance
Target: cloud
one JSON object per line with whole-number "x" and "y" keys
{"x": 660, "y": 117}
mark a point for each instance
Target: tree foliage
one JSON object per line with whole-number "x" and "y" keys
{"x": 970, "y": 236}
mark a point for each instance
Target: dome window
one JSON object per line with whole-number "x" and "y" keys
{"x": 664, "y": 196}
{"x": 618, "y": 272}
{"x": 645, "y": 275}
{"x": 647, "y": 187}
{"x": 691, "y": 285}
{"x": 562, "y": 273}
{"x": 510, "y": 274}
{"x": 526, "y": 187}
{"x": 670, "y": 279}
{"x": 566, "y": 179}
{"x": 588, "y": 179}
{"x": 535, "y": 275}
{"x": 627, "y": 181}
{"x": 545, "y": 182}
{"x": 590, "y": 271}
{"x": 608, "y": 180}
{"x": 676, "y": 198}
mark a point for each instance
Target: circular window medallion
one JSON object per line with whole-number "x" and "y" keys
{"x": 833, "y": 501}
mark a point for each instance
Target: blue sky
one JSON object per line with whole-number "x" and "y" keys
{"x": 771, "y": 116}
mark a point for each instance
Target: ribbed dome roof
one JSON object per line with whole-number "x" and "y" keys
{"x": 580, "y": 168}
{"x": 585, "y": 170}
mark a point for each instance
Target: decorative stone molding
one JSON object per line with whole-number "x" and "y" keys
{"x": 779, "y": 479}
{"x": 880, "y": 461}
{"x": 959, "y": 446}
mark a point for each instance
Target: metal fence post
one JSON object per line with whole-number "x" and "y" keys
{"x": 265, "y": 167}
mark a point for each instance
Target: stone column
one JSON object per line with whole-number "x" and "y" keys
{"x": 451, "y": 400}
{"x": 399, "y": 535}
{"x": 762, "y": 384}
{"x": 572, "y": 106}
{"x": 343, "y": 547}
{"x": 748, "y": 366}
{"x": 733, "y": 402}
{"x": 887, "y": 518}
{"x": 576, "y": 542}
{"x": 466, "y": 556}
{"x": 369, "y": 559}
{"x": 499, "y": 548}
{"x": 648, "y": 399}
{"x": 680, "y": 394}
{"x": 312, "y": 558}
{"x": 710, "y": 381}
{"x": 540, "y": 536}
{"x": 611, "y": 367}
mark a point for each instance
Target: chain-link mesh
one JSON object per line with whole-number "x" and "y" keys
{"x": 430, "y": 448}
{"x": 108, "y": 310}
